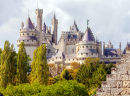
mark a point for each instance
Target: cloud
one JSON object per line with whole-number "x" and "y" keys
{"x": 109, "y": 19}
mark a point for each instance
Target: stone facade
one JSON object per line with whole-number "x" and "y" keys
{"x": 118, "y": 82}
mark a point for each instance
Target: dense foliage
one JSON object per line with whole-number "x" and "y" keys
{"x": 22, "y": 61}
{"x": 61, "y": 88}
{"x": 40, "y": 69}
{"x": 7, "y": 65}
{"x": 80, "y": 80}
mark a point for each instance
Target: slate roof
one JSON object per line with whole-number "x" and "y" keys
{"x": 28, "y": 24}
{"x": 73, "y": 36}
{"x": 87, "y": 51}
{"x": 74, "y": 27}
{"x": 110, "y": 51}
{"x": 88, "y": 36}
{"x": 27, "y": 38}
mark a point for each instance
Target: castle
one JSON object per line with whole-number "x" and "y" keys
{"x": 73, "y": 45}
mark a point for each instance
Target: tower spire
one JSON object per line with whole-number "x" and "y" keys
{"x": 87, "y": 22}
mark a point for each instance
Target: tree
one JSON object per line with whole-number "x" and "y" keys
{"x": 22, "y": 61}
{"x": 65, "y": 74}
{"x": 75, "y": 65}
{"x": 82, "y": 74}
{"x": 7, "y": 65}
{"x": 40, "y": 69}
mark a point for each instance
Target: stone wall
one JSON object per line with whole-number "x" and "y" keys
{"x": 118, "y": 82}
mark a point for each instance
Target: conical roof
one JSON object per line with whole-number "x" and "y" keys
{"x": 44, "y": 28}
{"x": 28, "y": 24}
{"x": 74, "y": 27}
{"x": 88, "y": 36}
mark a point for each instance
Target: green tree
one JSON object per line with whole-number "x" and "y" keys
{"x": 66, "y": 75}
{"x": 22, "y": 61}
{"x": 82, "y": 74}
{"x": 7, "y": 68}
{"x": 40, "y": 69}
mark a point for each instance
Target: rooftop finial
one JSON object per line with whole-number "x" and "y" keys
{"x": 87, "y": 22}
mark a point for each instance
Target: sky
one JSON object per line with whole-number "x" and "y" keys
{"x": 109, "y": 19}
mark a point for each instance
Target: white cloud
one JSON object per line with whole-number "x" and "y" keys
{"x": 109, "y": 19}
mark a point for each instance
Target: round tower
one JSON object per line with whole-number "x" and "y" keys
{"x": 28, "y": 36}
{"x": 87, "y": 47}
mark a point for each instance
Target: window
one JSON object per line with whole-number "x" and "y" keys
{"x": 81, "y": 53}
{"x": 45, "y": 39}
{"x": 83, "y": 46}
{"x": 60, "y": 57}
{"x": 56, "y": 57}
{"x": 73, "y": 50}
{"x": 27, "y": 33}
{"x": 90, "y": 46}
{"x": 32, "y": 40}
{"x": 49, "y": 50}
{"x": 23, "y": 33}
{"x": 86, "y": 46}
{"x": 27, "y": 40}
{"x": 86, "y": 53}
{"x": 91, "y": 53}
{"x": 32, "y": 33}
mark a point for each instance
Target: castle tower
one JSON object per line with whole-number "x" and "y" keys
{"x": 28, "y": 36}
{"x": 103, "y": 48}
{"x": 39, "y": 13}
{"x": 120, "y": 48}
{"x": 44, "y": 28}
{"x": 54, "y": 23}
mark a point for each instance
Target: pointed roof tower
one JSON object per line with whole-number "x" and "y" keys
{"x": 44, "y": 27}
{"x": 28, "y": 24}
{"x": 88, "y": 36}
{"x": 74, "y": 27}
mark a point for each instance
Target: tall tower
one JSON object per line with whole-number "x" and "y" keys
{"x": 120, "y": 48}
{"x": 39, "y": 13}
{"x": 54, "y": 23}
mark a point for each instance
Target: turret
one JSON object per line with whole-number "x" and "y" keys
{"x": 103, "y": 48}
{"x": 39, "y": 13}
{"x": 120, "y": 48}
{"x": 54, "y": 23}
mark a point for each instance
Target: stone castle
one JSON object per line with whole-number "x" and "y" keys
{"x": 73, "y": 45}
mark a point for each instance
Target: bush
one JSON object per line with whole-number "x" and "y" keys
{"x": 61, "y": 88}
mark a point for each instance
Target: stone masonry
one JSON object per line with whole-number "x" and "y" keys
{"x": 118, "y": 82}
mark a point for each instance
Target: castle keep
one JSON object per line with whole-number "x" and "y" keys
{"x": 73, "y": 44}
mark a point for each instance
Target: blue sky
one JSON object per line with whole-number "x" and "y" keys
{"x": 109, "y": 19}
